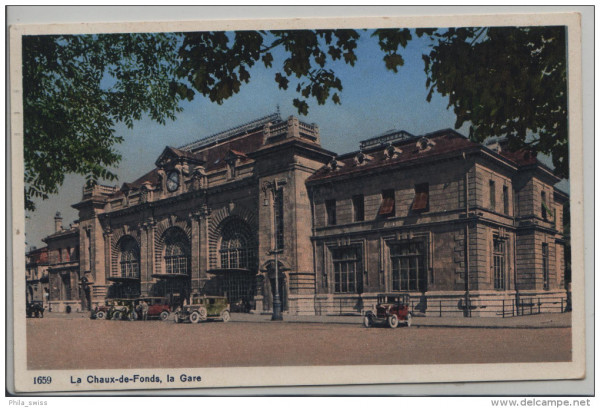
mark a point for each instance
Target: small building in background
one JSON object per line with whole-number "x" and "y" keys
{"x": 36, "y": 265}
{"x": 64, "y": 278}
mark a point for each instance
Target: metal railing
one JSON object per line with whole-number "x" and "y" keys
{"x": 451, "y": 307}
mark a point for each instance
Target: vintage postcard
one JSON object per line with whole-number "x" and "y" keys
{"x": 293, "y": 202}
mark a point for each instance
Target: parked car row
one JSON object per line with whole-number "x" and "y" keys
{"x": 391, "y": 310}
{"x": 133, "y": 309}
{"x": 199, "y": 308}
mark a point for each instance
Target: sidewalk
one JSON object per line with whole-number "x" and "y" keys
{"x": 547, "y": 320}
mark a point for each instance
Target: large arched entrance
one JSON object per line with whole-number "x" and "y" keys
{"x": 174, "y": 276}
{"x": 236, "y": 275}
{"x": 126, "y": 279}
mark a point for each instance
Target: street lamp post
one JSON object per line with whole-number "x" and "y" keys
{"x": 274, "y": 187}
{"x": 276, "y": 300}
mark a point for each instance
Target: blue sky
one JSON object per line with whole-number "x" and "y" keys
{"x": 373, "y": 100}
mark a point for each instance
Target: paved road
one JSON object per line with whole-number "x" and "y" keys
{"x": 75, "y": 342}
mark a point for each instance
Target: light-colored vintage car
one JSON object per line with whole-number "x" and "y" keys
{"x": 202, "y": 308}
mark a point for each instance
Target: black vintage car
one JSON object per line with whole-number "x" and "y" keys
{"x": 35, "y": 309}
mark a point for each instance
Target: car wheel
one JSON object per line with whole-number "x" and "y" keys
{"x": 164, "y": 315}
{"x": 225, "y": 316}
{"x": 393, "y": 321}
{"x": 367, "y": 321}
{"x": 116, "y": 316}
{"x": 195, "y": 317}
{"x": 409, "y": 320}
{"x": 100, "y": 315}
{"x": 203, "y": 313}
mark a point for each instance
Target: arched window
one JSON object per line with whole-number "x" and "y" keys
{"x": 176, "y": 252}
{"x": 236, "y": 250}
{"x": 129, "y": 258}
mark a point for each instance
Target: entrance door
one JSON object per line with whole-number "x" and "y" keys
{"x": 175, "y": 290}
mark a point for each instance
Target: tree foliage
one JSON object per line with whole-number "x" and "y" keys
{"x": 75, "y": 89}
{"x": 216, "y": 64}
{"x": 503, "y": 81}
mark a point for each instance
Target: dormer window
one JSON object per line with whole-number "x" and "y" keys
{"x": 391, "y": 151}
{"x": 424, "y": 144}
{"x": 334, "y": 164}
{"x": 362, "y": 158}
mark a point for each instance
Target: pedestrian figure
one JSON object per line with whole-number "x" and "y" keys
{"x": 144, "y": 310}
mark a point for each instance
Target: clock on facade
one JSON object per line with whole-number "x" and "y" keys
{"x": 173, "y": 181}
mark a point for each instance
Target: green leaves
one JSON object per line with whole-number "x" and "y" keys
{"x": 215, "y": 64}
{"x": 505, "y": 81}
{"x": 76, "y": 88}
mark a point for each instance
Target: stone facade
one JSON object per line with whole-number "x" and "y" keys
{"x": 501, "y": 252}
{"x": 206, "y": 218}
{"x": 67, "y": 291}
{"x": 463, "y": 228}
{"x": 36, "y": 265}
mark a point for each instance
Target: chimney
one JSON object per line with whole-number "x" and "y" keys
{"x": 57, "y": 222}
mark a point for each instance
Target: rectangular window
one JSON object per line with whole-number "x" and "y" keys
{"x": 408, "y": 267}
{"x": 358, "y": 204}
{"x": 505, "y": 199}
{"x": 347, "y": 270}
{"x": 545, "y": 267}
{"x": 331, "y": 215}
{"x": 499, "y": 264}
{"x": 492, "y": 195}
{"x": 544, "y": 207}
{"x": 388, "y": 204}
{"x": 279, "y": 219}
{"x": 421, "y": 202}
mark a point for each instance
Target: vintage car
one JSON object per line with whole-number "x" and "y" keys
{"x": 201, "y": 308}
{"x": 35, "y": 309}
{"x": 157, "y": 307}
{"x": 122, "y": 309}
{"x": 391, "y": 309}
{"x": 101, "y": 311}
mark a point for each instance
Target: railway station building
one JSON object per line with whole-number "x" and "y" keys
{"x": 460, "y": 226}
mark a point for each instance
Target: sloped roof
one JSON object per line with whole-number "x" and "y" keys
{"x": 214, "y": 156}
{"x": 446, "y": 141}
{"x": 172, "y": 151}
